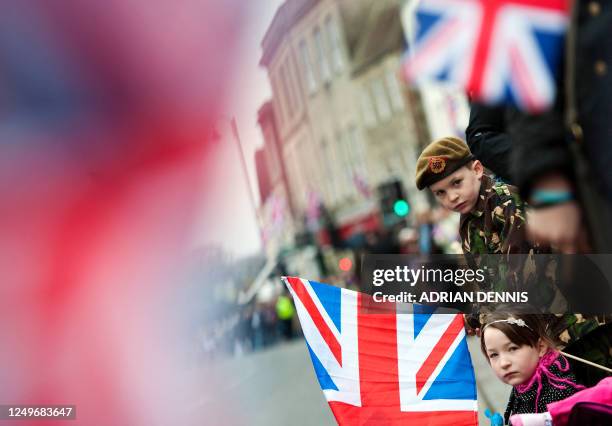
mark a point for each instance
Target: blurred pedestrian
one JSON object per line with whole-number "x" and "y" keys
{"x": 257, "y": 329}
{"x": 285, "y": 312}
{"x": 270, "y": 331}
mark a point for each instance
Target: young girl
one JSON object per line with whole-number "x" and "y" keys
{"x": 522, "y": 355}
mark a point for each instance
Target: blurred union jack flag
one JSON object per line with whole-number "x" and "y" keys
{"x": 377, "y": 366}
{"x": 498, "y": 50}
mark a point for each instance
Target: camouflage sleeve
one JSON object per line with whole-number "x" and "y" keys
{"x": 509, "y": 216}
{"x": 472, "y": 238}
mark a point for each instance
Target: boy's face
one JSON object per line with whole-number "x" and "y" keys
{"x": 459, "y": 191}
{"x": 512, "y": 364}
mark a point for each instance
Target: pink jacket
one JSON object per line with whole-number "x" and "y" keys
{"x": 601, "y": 393}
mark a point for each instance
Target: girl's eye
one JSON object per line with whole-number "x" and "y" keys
{"x": 512, "y": 348}
{"x": 439, "y": 193}
{"x": 493, "y": 355}
{"x": 457, "y": 182}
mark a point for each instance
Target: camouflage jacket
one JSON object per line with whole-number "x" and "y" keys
{"x": 497, "y": 226}
{"x": 497, "y": 222}
{"x": 493, "y": 235}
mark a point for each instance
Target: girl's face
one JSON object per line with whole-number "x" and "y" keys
{"x": 511, "y": 363}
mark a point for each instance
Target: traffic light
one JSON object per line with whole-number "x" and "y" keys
{"x": 401, "y": 208}
{"x": 394, "y": 204}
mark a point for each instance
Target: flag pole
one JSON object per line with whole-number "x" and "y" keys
{"x": 592, "y": 364}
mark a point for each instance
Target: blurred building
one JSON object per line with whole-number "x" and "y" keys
{"x": 345, "y": 121}
{"x": 391, "y": 112}
{"x": 341, "y": 122}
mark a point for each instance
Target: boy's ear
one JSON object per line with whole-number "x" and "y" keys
{"x": 478, "y": 168}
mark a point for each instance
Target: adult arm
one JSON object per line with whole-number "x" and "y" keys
{"x": 487, "y": 138}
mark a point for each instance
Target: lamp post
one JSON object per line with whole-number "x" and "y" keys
{"x": 244, "y": 165}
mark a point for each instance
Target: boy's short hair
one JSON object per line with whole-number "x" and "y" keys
{"x": 441, "y": 158}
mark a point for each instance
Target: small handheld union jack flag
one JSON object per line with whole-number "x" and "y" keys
{"x": 498, "y": 50}
{"x": 378, "y": 366}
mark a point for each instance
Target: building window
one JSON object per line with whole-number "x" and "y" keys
{"x": 367, "y": 111}
{"x": 321, "y": 56}
{"x": 311, "y": 83}
{"x": 293, "y": 84}
{"x": 278, "y": 100}
{"x": 335, "y": 41}
{"x": 395, "y": 91}
{"x": 287, "y": 92}
{"x": 381, "y": 100}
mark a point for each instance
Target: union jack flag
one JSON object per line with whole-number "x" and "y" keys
{"x": 498, "y": 50}
{"x": 382, "y": 366}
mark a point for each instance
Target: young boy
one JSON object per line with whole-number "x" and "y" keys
{"x": 493, "y": 222}
{"x": 492, "y": 213}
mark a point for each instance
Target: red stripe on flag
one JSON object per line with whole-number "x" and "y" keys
{"x": 481, "y": 51}
{"x": 438, "y": 352}
{"x": 378, "y": 366}
{"x": 490, "y": 9}
{"x": 313, "y": 311}
{"x": 379, "y": 378}
{"x": 346, "y": 414}
{"x": 558, "y": 5}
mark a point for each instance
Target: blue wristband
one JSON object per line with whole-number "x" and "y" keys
{"x": 547, "y": 197}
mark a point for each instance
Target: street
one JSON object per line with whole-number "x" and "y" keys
{"x": 278, "y": 387}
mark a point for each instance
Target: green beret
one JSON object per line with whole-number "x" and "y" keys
{"x": 441, "y": 158}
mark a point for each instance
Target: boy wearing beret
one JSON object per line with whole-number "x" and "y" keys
{"x": 492, "y": 221}
{"x": 492, "y": 214}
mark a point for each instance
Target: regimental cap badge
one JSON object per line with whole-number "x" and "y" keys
{"x": 437, "y": 164}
